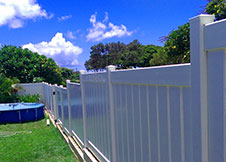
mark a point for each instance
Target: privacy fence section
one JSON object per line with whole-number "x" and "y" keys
{"x": 173, "y": 113}
{"x": 76, "y": 125}
{"x": 151, "y": 111}
{"x": 37, "y": 88}
{"x": 95, "y": 91}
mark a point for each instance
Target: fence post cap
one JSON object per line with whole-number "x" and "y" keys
{"x": 111, "y": 67}
{"x": 202, "y": 16}
{"x": 82, "y": 71}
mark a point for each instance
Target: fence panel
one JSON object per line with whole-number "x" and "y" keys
{"x": 149, "y": 114}
{"x": 65, "y": 111}
{"x": 59, "y": 112}
{"x": 76, "y": 112}
{"x": 97, "y": 114}
{"x": 32, "y": 88}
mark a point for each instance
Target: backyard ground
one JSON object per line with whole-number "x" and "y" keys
{"x": 33, "y": 142}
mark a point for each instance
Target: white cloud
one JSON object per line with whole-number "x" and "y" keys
{"x": 70, "y": 35}
{"x": 62, "y": 18}
{"x": 14, "y": 12}
{"x": 106, "y": 18}
{"x": 16, "y": 23}
{"x": 101, "y": 31}
{"x": 62, "y": 51}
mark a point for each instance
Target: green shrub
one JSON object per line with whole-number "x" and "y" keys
{"x": 29, "y": 98}
{"x": 8, "y": 89}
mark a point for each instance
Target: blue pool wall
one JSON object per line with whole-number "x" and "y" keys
{"x": 22, "y": 115}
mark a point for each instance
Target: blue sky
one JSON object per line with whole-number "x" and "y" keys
{"x": 65, "y": 30}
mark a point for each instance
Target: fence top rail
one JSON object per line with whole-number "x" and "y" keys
{"x": 59, "y": 87}
{"x": 73, "y": 84}
{"x": 30, "y": 84}
{"x": 94, "y": 77}
{"x": 218, "y": 37}
{"x": 154, "y": 67}
{"x": 171, "y": 75}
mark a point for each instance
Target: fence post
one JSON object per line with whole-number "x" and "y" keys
{"x": 55, "y": 102}
{"x": 51, "y": 98}
{"x": 111, "y": 105}
{"x": 199, "y": 87}
{"x": 69, "y": 104}
{"x": 62, "y": 104}
{"x": 82, "y": 72}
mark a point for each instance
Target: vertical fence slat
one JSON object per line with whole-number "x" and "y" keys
{"x": 169, "y": 124}
{"x": 149, "y": 127}
{"x": 133, "y": 123}
{"x": 140, "y": 123}
{"x": 182, "y": 125}
{"x": 127, "y": 124}
{"x": 157, "y": 119}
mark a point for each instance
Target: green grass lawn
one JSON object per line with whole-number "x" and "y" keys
{"x": 33, "y": 142}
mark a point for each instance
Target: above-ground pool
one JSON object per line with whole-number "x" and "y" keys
{"x": 20, "y": 112}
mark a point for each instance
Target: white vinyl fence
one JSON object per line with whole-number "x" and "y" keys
{"x": 174, "y": 113}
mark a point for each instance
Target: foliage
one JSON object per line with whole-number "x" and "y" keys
{"x": 97, "y": 60}
{"x": 113, "y": 53}
{"x": 38, "y": 80}
{"x": 159, "y": 58}
{"x": 29, "y": 98}
{"x": 149, "y": 53}
{"x": 217, "y": 8}
{"x": 177, "y": 45}
{"x": 121, "y": 55}
{"x": 7, "y": 89}
{"x": 69, "y": 74}
{"x": 33, "y": 142}
{"x": 75, "y": 77}
{"x": 132, "y": 55}
{"x": 28, "y": 67}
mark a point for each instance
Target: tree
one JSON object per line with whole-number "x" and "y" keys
{"x": 177, "y": 45}
{"x": 217, "y": 8}
{"x": 131, "y": 57}
{"x": 7, "y": 90}
{"x": 113, "y": 53}
{"x": 27, "y": 66}
{"x": 147, "y": 54}
{"x": 69, "y": 74}
{"x": 159, "y": 58}
{"x": 96, "y": 61}
{"x": 121, "y": 55}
